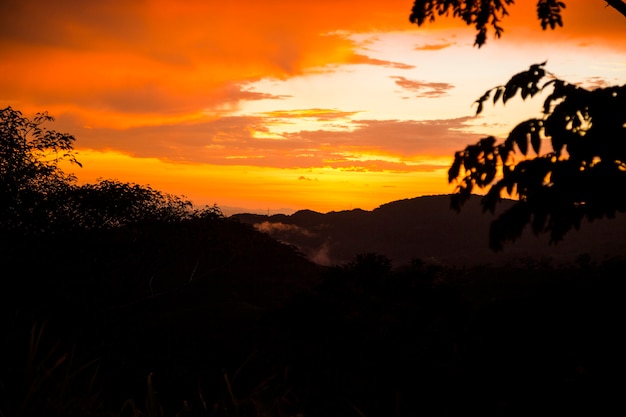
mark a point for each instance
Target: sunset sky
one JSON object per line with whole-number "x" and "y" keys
{"x": 318, "y": 104}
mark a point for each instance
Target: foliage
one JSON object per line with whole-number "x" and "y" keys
{"x": 370, "y": 265}
{"x": 37, "y": 196}
{"x": 30, "y": 176}
{"x": 585, "y": 172}
{"x": 110, "y": 203}
{"x": 482, "y": 14}
{"x": 583, "y": 175}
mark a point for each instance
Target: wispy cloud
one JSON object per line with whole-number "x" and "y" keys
{"x": 278, "y": 227}
{"x": 364, "y": 59}
{"x": 370, "y": 145}
{"x": 434, "y": 46}
{"x": 595, "y": 82}
{"x": 423, "y": 88}
{"x": 316, "y": 114}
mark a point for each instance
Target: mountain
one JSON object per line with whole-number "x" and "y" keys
{"x": 426, "y": 228}
{"x": 230, "y": 210}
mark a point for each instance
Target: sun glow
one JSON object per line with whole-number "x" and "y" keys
{"x": 322, "y": 189}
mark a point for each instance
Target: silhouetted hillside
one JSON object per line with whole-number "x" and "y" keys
{"x": 175, "y": 299}
{"x": 209, "y": 317}
{"x": 426, "y": 228}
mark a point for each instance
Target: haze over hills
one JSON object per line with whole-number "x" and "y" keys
{"x": 427, "y": 228}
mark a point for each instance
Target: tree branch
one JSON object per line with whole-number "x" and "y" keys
{"x": 618, "y": 5}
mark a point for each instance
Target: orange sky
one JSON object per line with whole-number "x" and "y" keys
{"x": 326, "y": 105}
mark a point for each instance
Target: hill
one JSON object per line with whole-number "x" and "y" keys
{"x": 210, "y": 317}
{"x": 175, "y": 299}
{"x": 426, "y": 228}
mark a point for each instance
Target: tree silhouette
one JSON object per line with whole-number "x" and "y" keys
{"x": 485, "y": 13}
{"x": 583, "y": 175}
{"x": 36, "y": 196}
{"x": 30, "y": 176}
{"x": 110, "y": 203}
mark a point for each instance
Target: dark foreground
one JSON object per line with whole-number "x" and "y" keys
{"x": 215, "y": 319}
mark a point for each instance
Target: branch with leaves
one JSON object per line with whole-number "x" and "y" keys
{"x": 483, "y": 14}
{"x": 583, "y": 175}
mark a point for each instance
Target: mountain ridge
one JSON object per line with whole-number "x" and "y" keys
{"x": 427, "y": 228}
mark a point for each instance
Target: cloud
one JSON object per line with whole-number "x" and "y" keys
{"x": 162, "y": 79}
{"x": 373, "y": 165}
{"x": 363, "y": 59}
{"x": 321, "y": 115}
{"x": 321, "y": 255}
{"x": 157, "y": 98}
{"x": 155, "y": 58}
{"x": 591, "y": 83}
{"x": 150, "y": 57}
{"x": 423, "y": 88}
{"x": 369, "y": 146}
{"x": 278, "y": 227}
{"x": 434, "y": 46}
{"x": 409, "y": 138}
{"x": 314, "y": 245}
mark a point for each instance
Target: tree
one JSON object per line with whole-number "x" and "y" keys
{"x": 484, "y": 13}
{"x": 36, "y": 196}
{"x": 110, "y": 203}
{"x": 30, "y": 176}
{"x": 583, "y": 175}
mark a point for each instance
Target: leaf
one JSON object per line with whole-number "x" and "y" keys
{"x": 491, "y": 199}
{"x": 487, "y": 143}
{"x": 469, "y": 163}
{"x": 509, "y": 92}
{"x": 480, "y": 108}
{"x": 519, "y": 136}
{"x": 535, "y": 141}
{"x": 497, "y": 95}
{"x": 480, "y": 101}
{"x": 454, "y": 170}
{"x": 490, "y": 175}
{"x": 510, "y": 186}
{"x": 522, "y": 143}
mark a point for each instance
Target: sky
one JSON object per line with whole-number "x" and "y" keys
{"x": 275, "y": 105}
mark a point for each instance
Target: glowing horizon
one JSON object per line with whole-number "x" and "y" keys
{"x": 319, "y": 105}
